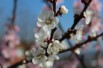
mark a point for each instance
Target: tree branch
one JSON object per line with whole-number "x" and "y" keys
{"x": 20, "y": 63}
{"x": 90, "y": 39}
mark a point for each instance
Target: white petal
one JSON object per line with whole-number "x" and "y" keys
{"x": 40, "y": 23}
{"x": 79, "y": 35}
{"x": 42, "y": 34}
{"x": 48, "y": 64}
{"x": 58, "y": 44}
{"x": 35, "y": 61}
{"x": 54, "y": 22}
{"x": 88, "y": 20}
{"x": 47, "y": 27}
{"x": 41, "y": 50}
{"x": 43, "y": 15}
{"x": 49, "y": 49}
{"x": 41, "y": 58}
{"x": 27, "y": 53}
{"x": 77, "y": 51}
{"x": 51, "y": 26}
{"x": 53, "y": 57}
{"x": 50, "y": 14}
{"x": 85, "y": 14}
{"x": 52, "y": 49}
{"x": 44, "y": 44}
{"x": 37, "y": 35}
{"x": 34, "y": 51}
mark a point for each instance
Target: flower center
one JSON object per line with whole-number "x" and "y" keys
{"x": 48, "y": 21}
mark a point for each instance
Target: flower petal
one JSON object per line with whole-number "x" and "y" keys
{"x": 50, "y": 14}
{"x": 53, "y": 57}
{"x": 35, "y": 61}
{"x": 47, "y": 64}
{"x": 54, "y": 22}
{"x": 41, "y": 50}
{"x": 40, "y": 22}
{"x": 43, "y": 15}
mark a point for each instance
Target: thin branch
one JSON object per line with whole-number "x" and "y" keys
{"x": 20, "y": 63}
{"x": 54, "y": 6}
{"x": 90, "y": 39}
{"x": 52, "y": 33}
{"x": 14, "y": 12}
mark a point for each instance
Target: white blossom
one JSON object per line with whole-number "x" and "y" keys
{"x": 53, "y": 57}
{"x": 42, "y": 36}
{"x": 47, "y": 64}
{"x": 47, "y": 20}
{"x": 37, "y": 51}
{"x": 38, "y": 55}
{"x": 63, "y": 9}
{"x": 55, "y": 47}
{"x": 88, "y": 15}
{"x": 78, "y": 36}
{"x": 39, "y": 59}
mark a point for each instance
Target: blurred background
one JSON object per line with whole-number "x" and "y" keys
{"x": 27, "y": 12}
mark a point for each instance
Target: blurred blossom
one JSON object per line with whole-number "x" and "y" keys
{"x": 96, "y": 25}
{"x": 20, "y": 52}
{"x": 77, "y": 51}
{"x": 77, "y": 7}
{"x": 12, "y": 27}
{"x": 59, "y": 2}
{"x": 71, "y": 63}
{"x": 88, "y": 16}
{"x": 8, "y": 53}
{"x": 78, "y": 36}
{"x": 22, "y": 66}
{"x": 96, "y": 5}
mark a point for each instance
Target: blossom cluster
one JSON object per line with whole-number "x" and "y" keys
{"x": 10, "y": 40}
{"x": 45, "y": 54}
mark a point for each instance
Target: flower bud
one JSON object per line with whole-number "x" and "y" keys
{"x": 63, "y": 9}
